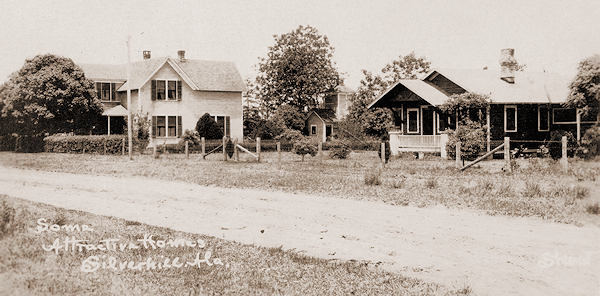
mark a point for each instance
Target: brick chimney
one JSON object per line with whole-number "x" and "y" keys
{"x": 181, "y": 54}
{"x": 508, "y": 65}
{"x": 146, "y": 54}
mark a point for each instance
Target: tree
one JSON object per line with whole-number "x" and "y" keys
{"x": 208, "y": 128}
{"x": 298, "y": 71}
{"x": 585, "y": 88}
{"x": 289, "y": 117}
{"x": 50, "y": 94}
{"x": 405, "y": 67}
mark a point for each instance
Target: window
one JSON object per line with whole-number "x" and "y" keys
{"x": 107, "y": 92}
{"x": 510, "y": 118}
{"x": 564, "y": 116}
{"x": 313, "y": 129}
{"x": 543, "y": 118}
{"x": 224, "y": 124}
{"x": 166, "y": 126}
{"x": 445, "y": 121}
{"x": 166, "y": 90}
{"x": 413, "y": 120}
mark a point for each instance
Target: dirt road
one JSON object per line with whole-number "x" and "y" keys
{"x": 492, "y": 255}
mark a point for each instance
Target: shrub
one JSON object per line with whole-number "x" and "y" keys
{"x": 555, "y": 145}
{"x": 7, "y": 143}
{"x": 290, "y": 135}
{"x": 593, "y": 209}
{"x": 471, "y": 134}
{"x": 29, "y": 144}
{"x": 89, "y": 144}
{"x": 208, "y": 128}
{"x": 372, "y": 178}
{"x": 304, "y": 146}
{"x": 591, "y": 142}
{"x": 338, "y": 149}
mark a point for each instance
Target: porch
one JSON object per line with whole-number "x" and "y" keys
{"x": 418, "y": 143}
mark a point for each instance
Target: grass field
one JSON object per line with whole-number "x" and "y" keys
{"x": 33, "y": 261}
{"x": 536, "y": 187}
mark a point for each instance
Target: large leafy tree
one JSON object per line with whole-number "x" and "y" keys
{"x": 297, "y": 72}
{"x": 50, "y": 94}
{"x": 585, "y": 88}
{"x": 377, "y": 122}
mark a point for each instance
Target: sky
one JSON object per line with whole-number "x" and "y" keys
{"x": 550, "y": 35}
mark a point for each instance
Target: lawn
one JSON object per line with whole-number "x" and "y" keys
{"x": 118, "y": 257}
{"x": 536, "y": 187}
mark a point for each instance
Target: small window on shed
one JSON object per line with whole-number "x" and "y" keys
{"x": 313, "y": 129}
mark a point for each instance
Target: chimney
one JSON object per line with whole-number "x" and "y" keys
{"x": 181, "y": 54}
{"x": 146, "y": 54}
{"x": 508, "y": 65}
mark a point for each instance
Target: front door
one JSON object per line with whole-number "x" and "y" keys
{"x": 428, "y": 123}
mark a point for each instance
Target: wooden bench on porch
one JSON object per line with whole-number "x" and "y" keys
{"x": 418, "y": 143}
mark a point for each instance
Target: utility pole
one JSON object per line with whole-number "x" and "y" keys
{"x": 129, "y": 132}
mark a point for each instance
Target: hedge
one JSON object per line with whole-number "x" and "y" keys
{"x": 101, "y": 144}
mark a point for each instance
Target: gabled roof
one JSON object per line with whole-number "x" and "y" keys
{"x": 529, "y": 87}
{"x": 324, "y": 114}
{"x": 198, "y": 74}
{"x": 421, "y": 88}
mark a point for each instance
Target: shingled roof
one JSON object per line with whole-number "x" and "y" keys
{"x": 199, "y": 74}
{"x": 327, "y": 115}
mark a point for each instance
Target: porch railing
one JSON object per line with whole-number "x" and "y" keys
{"x": 418, "y": 143}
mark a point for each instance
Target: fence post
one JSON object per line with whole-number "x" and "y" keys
{"x": 507, "y": 154}
{"x": 279, "y": 152}
{"x": 235, "y": 150}
{"x": 458, "y": 156}
{"x": 382, "y": 153}
{"x": 203, "y": 147}
{"x": 320, "y": 152}
{"x": 187, "y": 152}
{"x": 563, "y": 159}
{"x": 123, "y": 146}
{"x": 104, "y": 146}
{"x": 224, "y": 150}
{"x": 258, "y": 149}
{"x": 154, "y": 155}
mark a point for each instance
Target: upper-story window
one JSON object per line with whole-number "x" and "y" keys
{"x": 166, "y": 90}
{"x": 107, "y": 92}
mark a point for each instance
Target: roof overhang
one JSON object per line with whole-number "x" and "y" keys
{"x": 116, "y": 111}
{"x": 422, "y": 89}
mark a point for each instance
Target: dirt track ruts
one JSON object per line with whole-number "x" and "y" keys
{"x": 457, "y": 248}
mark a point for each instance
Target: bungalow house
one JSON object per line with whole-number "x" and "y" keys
{"x": 174, "y": 92}
{"x": 322, "y": 122}
{"x": 525, "y": 106}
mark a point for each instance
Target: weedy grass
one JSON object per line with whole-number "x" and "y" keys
{"x": 535, "y": 187}
{"x": 27, "y": 269}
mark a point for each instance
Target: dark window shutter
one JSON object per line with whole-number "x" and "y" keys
{"x": 154, "y": 126}
{"x": 153, "y": 90}
{"x": 179, "y": 127}
{"x": 179, "y": 90}
{"x": 113, "y": 92}
{"x": 227, "y": 129}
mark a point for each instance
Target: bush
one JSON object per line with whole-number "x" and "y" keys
{"x": 7, "y": 143}
{"x": 208, "y": 128}
{"x": 372, "y": 178}
{"x": 29, "y": 144}
{"x": 338, "y": 149}
{"x": 591, "y": 142}
{"x": 89, "y": 144}
{"x": 471, "y": 134}
{"x": 305, "y": 145}
{"x": 555, "y": 145}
